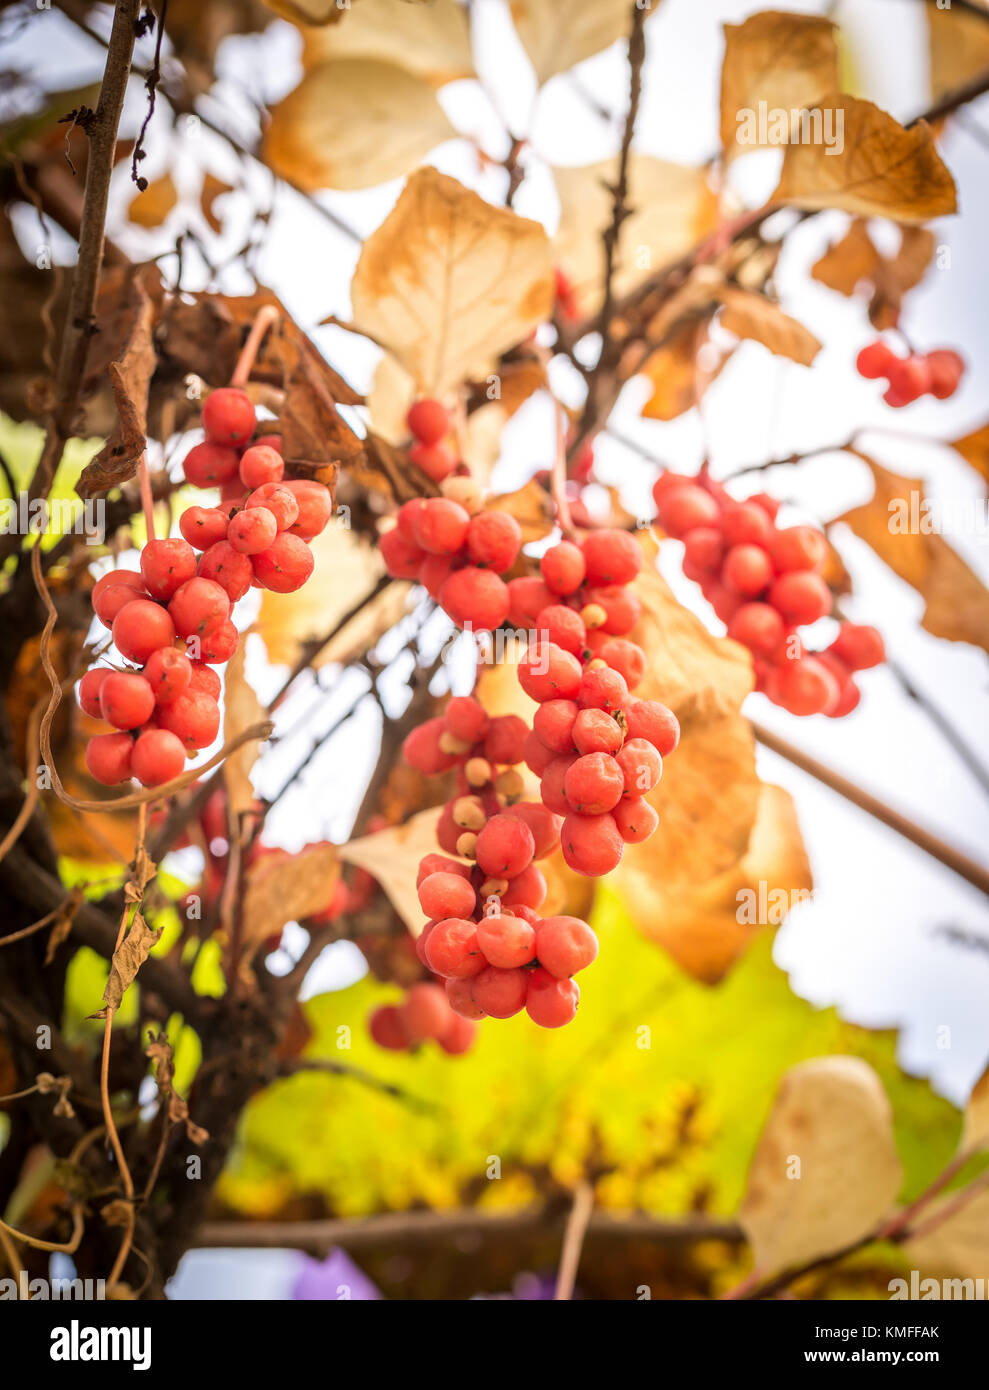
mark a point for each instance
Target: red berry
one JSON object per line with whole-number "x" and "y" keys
{"x": 591, "y": 844}
{"x": 285, "y": 565}
{"x": 141, "y": 627}
{"x": 493, "y": 540}
{"x": 703, "y": 551}
{"x": 465, "y": 718}
{"x": 88, "y": 691}
{"x": 453, "y": 949}
{"x": 314, "y": 507}
{"x": 198, "y": 607}
{"x": 602, "y": 688}
{"x": 551, "y": 785}
{"x": 459, "y": 1035}
{"x": 203, "y": 526}
{"x": 802, "y": 597}
{"x": 507, "y": 942}
{"x": 544, "y": 824}
{"x": 945, "y": 368}
{"x": 169, "y": 673}
{"x": 805, "y": 686}
{"x": 500, "y": 993}
{"x": 261, "y": 465}
{"x": 745, "y": 523}
{"x": 504, "y": 742}
{"x": 165, "y": 565}
{"x": 204, "y": 681}
{"x": 562, "y": 626}
{"x": 109, "y": 601}
{"x": 108, "y": 758}
{"x": 476, "y": 597}
{"x": 685, "y": 506}
{"x": 641, "y": 767}
{"x": 550, "y": 1002}
{"x": 655, "y": 723}
{"x": 625, "y": 657}
{"x": 527, "y": 889}
{"x": 252, "y": 530}
{"x": 402, "y": 560}
{"x": 565, "y": 945}
{"x": 435, "y": 460}
{"x": 563, "y": 568}
{"x": 757, "y": 626}
{"x": 554, "y": 721}
{"x": 128, "y": 578}
{"x": 447, "y": 895}
{"x": 621, "y": 606}
{"x": 537, "y": 756}
{"x": 547, "y": 672}
{"x": 746, "y": 570}
{"x": 441, "y": 526}
{"x": 422, "y": 751}
{"x": 908, "y": 379}
{"x": 428, "y": 420}
{"x": 194, "y": 718}
{"x": 875, "y": 360}
{"x": 219, "y": 644}
{"x": 505, "y": 847}
{"x": 210, "y": 465}
{"x": 460, "y": 999}
{"x": 527, "y": 598}
{"x": 859, "y": 646}
{"x": 798, "y": 548}
{"x": 595, "y": 731}
{"x": 593, "y": 784}
{"x": 282, "y": 501}
{"x": 228, "y": 416}
{"x": 636, "y": 819}
{"x": 387, "y": 1028}
{"x": 424, "y": 1012}
{"x": 611, "y": 557}
{"x": 157, "y": 757}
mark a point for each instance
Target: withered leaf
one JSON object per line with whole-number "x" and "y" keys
{"x": 212, "y": 189}
{"x": 748, "y": 314}
{"x": 432, "y": 41}
{"x": 313, "y": 431}
{"x": 130, "y": 378}
{"x": 280, "y": 890}
{"x": 556, "y": 36}
{"x": 974, "y": 449}
{"x": 150, "y": 207}
{"x": 881, "y": 170}
{"x": 127, "y": 960}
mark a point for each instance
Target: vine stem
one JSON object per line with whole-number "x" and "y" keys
{"x": 147, "y": 498}
{"x": 573, "y": 1241}
{"x": 266, "y": 317}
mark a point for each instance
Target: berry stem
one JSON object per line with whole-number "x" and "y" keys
{"x": 558, "y": 476}
{"x": 266, "y": 316}
{"x": 147, "y": 499}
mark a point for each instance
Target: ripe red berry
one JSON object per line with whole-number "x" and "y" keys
{"x": 252, "y": 530}
{"x": 169, "y": 674}
{"x": 757, "y": 626}
{"x": 537, "y": 756}
{"x": 281, "y": 499}
{"x": 527, "y": 598}
{"x": 798, "y": 548}
{"x": 500, "y": 993}
{"x": 157, "y": 757}
{"x": 315, "y": 507}
{"x": 204, "y": 681}
{"x": 505, "y": 847}
{"x": 565, "y": 945}
{"x": 422, "y": 751}
{"x": 640, "y": 765}
{"x": 703, "y": 551}
{"x": 805, "y": 686}
{"x": 550, "y": 1002}
{"x": 563, "y": 568}
{"x": 547, "y": 672}
{"x": 544, "y": 824}
{"x": 424, "y": 1011}
{"x": 402, "y": 560}
{"x": 460, "y": 999}
{"x": 602, "y": 688}
{"x": 476, "y": 597}
{"x": 261, "y": 465}
{"x": 908, "y": 380}
{"x": 801, "y": 596}
{"x": 198, "y": 607}
{"x": 563, "y": 626}
{"x": 435, "y": 460}
{"x": 140, "y": 628}
{"x": 165, "y": 565}
{"x": 685, "y": 506}
{"x": 655, "y": 723}
{"x": 591, "y": 844}
{"x": 387, "y": 1028}
{"x": 745, "y": 523}
{"x": 526, "y": 890}
{"x": 504, "y": 741}
{"x": 593, "y": 784}
{"x": 453, "y": 949}
{"x": 228, "y": 568}
{"x": 859, "y": 646}
{"x": 108, "y": 758}
{"x": 746, "y": 570}
{"x": 945, "y": 368}
{"x": 441, "y": 526}
{"x": 458, "y": 1036}
{"x": 465, "y": 718}
{"x": 611, "y": 557}
{"x": 194, "y": 718}
{"x": 210, "y": 465}
{"x": 88, "y": 691}
{"x": 621, "y": 606}
{"x": 447, "y": 895}
{"x": 595, "y": 731}
{"x": 636, "y": 819}
{"x": 203, "y": 526}
{"x": 285, "y": 565}
{"x": 228, "y": 416}
{"x": 625, "y": 657}
{"x": 875, "y": 360}
{"x": 428, "y": 420}
{"x": 554, "y": 721}
{"x": 507, "y": 942}
{"x": 493, "y": 540}
{"x": 219, "y": 644}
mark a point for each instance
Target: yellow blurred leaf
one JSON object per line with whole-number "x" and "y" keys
{"x": 974, "y": 449}
{"x": 751, "y": 315}
{"x": 975, "y": 1129}
{"x": 881, "y": 169}
{"x": 346, "y": 573}
{"x": 150, "y": 208}
{"x": 448, "y": 282}
{"x": 825, "y": 1170}
{"x": 309, "y": 11}
{"x": 433, "y": 41}
{"x": 675, "y": 375}
{"x": 956, "y": 1245}
{"x": 241, "y": 709}
{"x": 854, "y": 262}
{"x": 900, "y": 527}
{"x": 212, "y": 189}
{"x": 388, "y": 401}
{"x": 673, "y": 209}
{"x": 849, "y": 261}
{"x": 279, "y": 890}
{"x": 353, "y": 123}
{"x": 556, "y": 36}
{"x": 784, "y": 62}
{"x": 959, "y": 47}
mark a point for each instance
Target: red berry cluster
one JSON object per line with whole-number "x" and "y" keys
{"x": 566, "y": 297}
{"x": 424, "y": 1014}
{"x": 596, "y": 749}
{"x": 935, "y": 373}
{"x": 173, "y": 619}
{"x": 765, "y": 582}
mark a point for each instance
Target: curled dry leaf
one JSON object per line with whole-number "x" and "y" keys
{"x": 241, "y": 709}
{"x": 150, "y": 208}
{"x": 786, "y": 62}
{"x": 676, "y": 379}
{"x": 825, "y": 1170}
{"x": 556, "y": 36}
{"x": 448, "y": 282}
{"x": 433, "y": 41}
{"x": 900, "y": 526}
{"x": 159, "y": 1050}
{"x": 279, "y": 890}
{"x": 748, "y": 314}
{"x": 314, "y": 141}
{"x": 854, "y": 261}
{"x": 130, "y": 378}
{"x": 127, "y": 960}
{"x": 959, "y": 47}
{"x": 974, "y": 449}
{"x": 881, "y": 169}
{"x": 673, "y": 209}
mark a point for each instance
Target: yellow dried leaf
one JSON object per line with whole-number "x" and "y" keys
{"x": 826, "y": 1169}
{"x": 433, "y": 41}
{"x": 673, "y": 206}
{"x": 354, "y": 123}
{"x": 974, "y": 449}
{"x": 388, "y": 401}
{"x": 751, "y": 315}
{"x": 150, "y": 208}
{"x": 849, "y": 261}
{"x": 881, "y": 170}
{"x": 531, "y": 507}
{"x": 956, "y": 1245}
{"x": 675, "y": 376}
{"x": 556, "y": 36}
{"x": 898, "y": 526}
{"x": 787, "y": 62}
{"x": 959, "y": 47}
{"x": 279, "y": 890}
{"x": 309, "y": 11}
{"x": 448, "y": 282}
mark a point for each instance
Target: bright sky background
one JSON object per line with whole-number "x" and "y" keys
{"x": 872, "y": 942}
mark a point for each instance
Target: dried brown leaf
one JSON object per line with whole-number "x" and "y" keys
{"x": 280, "y": 890}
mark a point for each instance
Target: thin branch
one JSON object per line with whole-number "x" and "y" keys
{"x": 573, "y": 1241}
{"x": 938, "y": 849}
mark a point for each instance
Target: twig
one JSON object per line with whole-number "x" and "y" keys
{"x": 151, "y": 85}
{"x": 573, "y": 1241}
{"x": 938, "y": 849}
